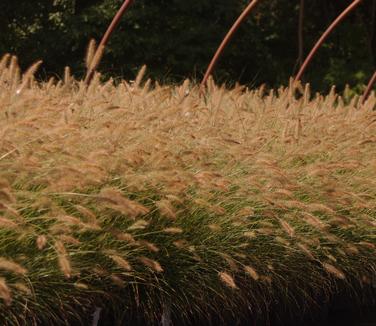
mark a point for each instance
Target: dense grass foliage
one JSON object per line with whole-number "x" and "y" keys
{"x": 137, "y": 197}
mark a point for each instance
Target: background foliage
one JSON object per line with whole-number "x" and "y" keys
{"x": 177, "y": 38}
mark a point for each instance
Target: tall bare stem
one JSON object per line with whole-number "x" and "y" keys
{"x": 105, "y": 39}
{"x": 227, "y": 39}
{"x": 368, "y": 90}
{"x": 318, "y": 44}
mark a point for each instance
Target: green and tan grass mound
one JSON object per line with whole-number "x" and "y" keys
{"x": 135, "y": 197}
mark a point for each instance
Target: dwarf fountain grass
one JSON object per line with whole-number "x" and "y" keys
{"x": 129, "y": 199}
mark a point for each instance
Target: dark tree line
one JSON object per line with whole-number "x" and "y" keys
{"x": 176, "y": 38}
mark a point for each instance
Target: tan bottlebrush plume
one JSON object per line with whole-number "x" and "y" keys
{"x": 41, "y": 241}
{"x": 42, "y": 202}
{"x": 227, "y": 279}
{"x": 251, "y": 272}
{"x": 69, "y": 220}
{"x": 334, "y": 271}
{"x": 121, "y": 262}
{"x": 87, "y": 213}
{"x": 218, "y": 210}
{"x": 150, "y": 246}
{"x": 293, "y": 204}
{"x": 117, "y": 201}
{"x": 367, "y": 245}
{"x": 181, "y": 244}
{"x": 342, "y": 221}
{"x": 5, "y": 293}
{"x": 250, "y": 234}
{"x": 332, "y": 258}
{"x": 183, "y": 90}
{"x": 4, "y": 62}
{"x": 122, "y": 236}
{"x": 201, "y": 202}
{"x": 139, "y": 77}
{"x": 221, "y": 184}
{"x": 6, "y": 195}
{"x": 63, "y": 260}
{"x": 173, "y": 230}
{"x": 298, "y": 129}
{"x": 285, "y": 132}
{"x": 282, "y": 241}
{"x": 100, "y": 271}
{"x": 351, "y": 249}
{"x": 59, "y": 228}
{"x": 317, "y": 207}
{"x": 13, "y": 70}
{"x": 305, "y": 249}
{"x": 138, "y": 225}
{"x": 166, "y": 209}
{"x": 319, "y": 171}
{"x": 205, "y": 178}
{"x": 367, "y": 141}
{"x": 11, "y": 266}
{"x": 80, "y": 285}
{"x": 307, "y": 94}
{"x": 332, "y": 238}
{"x": 287, "y": 193}
{"x": 117, "y": 280}
{"x": 96, "y": 58}
{"x": 90, "y": 52}
{"x": 267, "y": 224}
{"x": 245, "y": 212}
{"x": 146, "y": 88}
{"x": 68, "y": 239}
{"x": 4, "y": 183}
{"x": 28, "y": 75}
{"x": 231, "y": 262}
{"x": 214, "y": 227}
{"x": 67, "y": 76}
{"x": 154, "y": 265}
{"x": 173, "y": 198}
{"x": 51, "y": 82}
{"x": 287, "y": 227}
{"x": 266, "y": 231}
{"x": 22, "y": 288}
{"x": 314, "y": 221}
{"x": 7, "y": 224}
{"x": 15, "y": 77}
{"x": 266, "y": 279}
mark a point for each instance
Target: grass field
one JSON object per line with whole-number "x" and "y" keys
{"x": 234, "y": 205}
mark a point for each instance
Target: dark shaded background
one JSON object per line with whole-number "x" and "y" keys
{"x": 177, "y": 38}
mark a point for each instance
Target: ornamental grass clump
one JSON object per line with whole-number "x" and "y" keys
{"x": 129, "y": 198}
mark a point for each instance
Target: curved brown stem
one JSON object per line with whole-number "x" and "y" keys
{"x": 105, "y": 38}
{"x": 227, "y": 39}
{"x": 318, "y": 44}
{"x": 368, "y": 90}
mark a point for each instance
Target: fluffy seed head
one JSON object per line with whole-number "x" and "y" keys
{"x": 227, "y": 279}
{"x": 11, "y": 266}
{"x": 251, "y": 272}
{"x": 121, "y": 262}
{"x": 64, "y": 263}
{"x": 41, "y": 241}
{"x": 334, "y": 271}
{"x": 152, "y": 264}
{"x": 5, "y": 293}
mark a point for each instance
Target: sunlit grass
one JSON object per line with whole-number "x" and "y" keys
{"x": 137, "y": 196}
